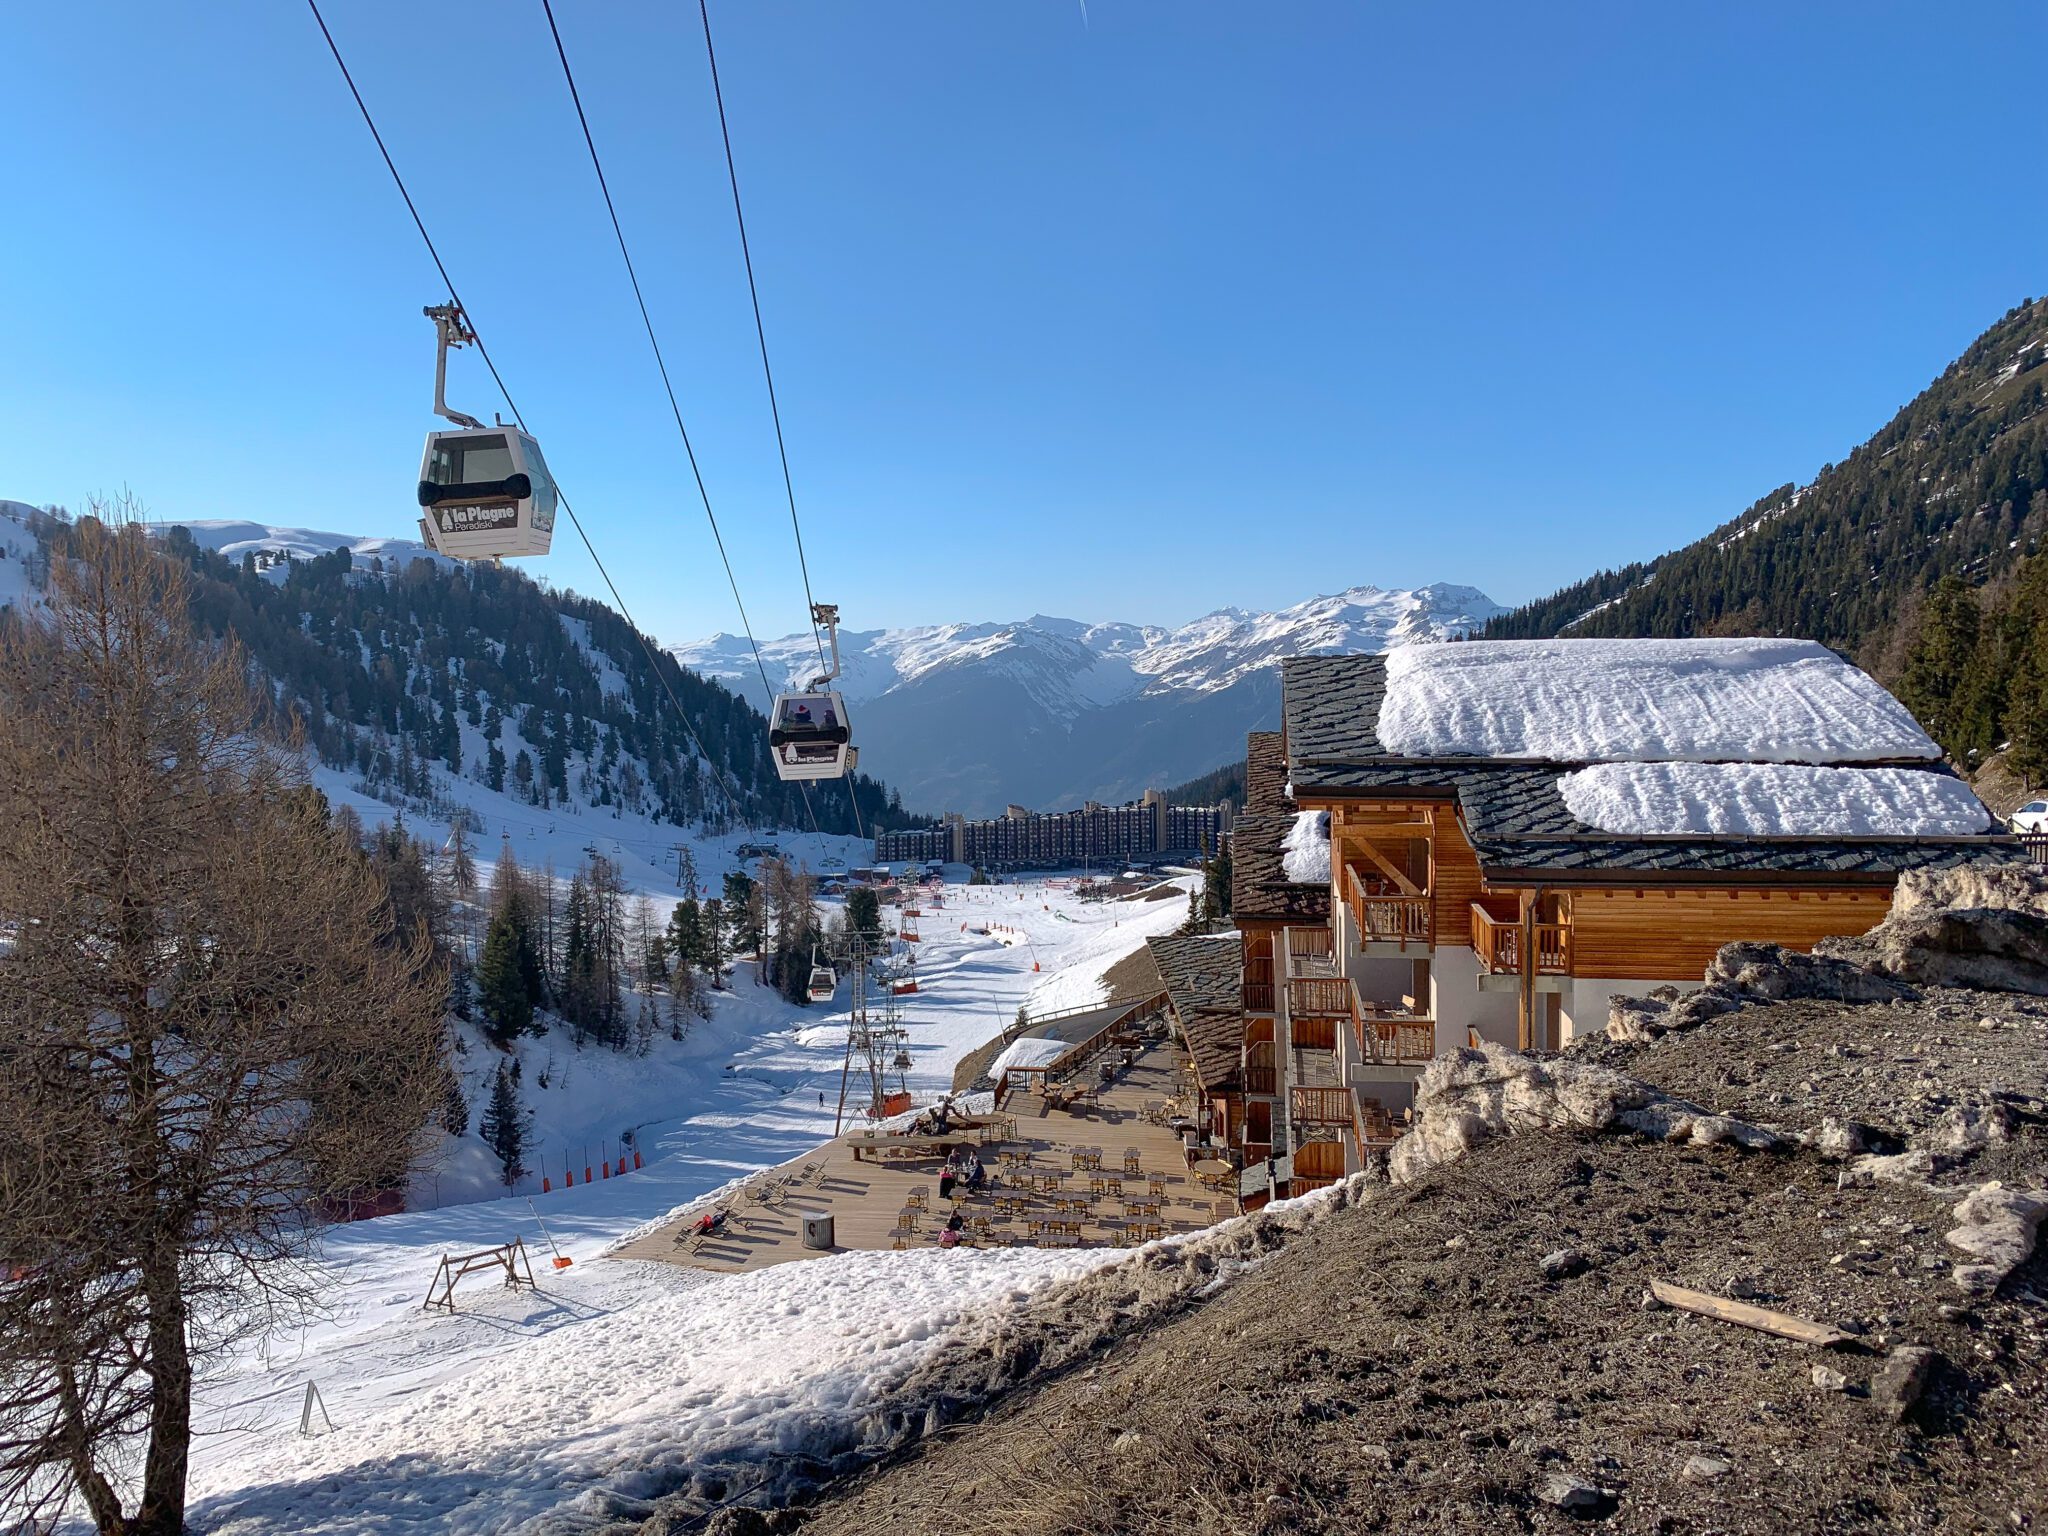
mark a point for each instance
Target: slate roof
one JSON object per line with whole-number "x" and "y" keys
{"x": 1265, "y": 774}
{"x": 1259, "y": 887}
{"x": 1516, "y": 817}
{"x": 1202, "y": 975}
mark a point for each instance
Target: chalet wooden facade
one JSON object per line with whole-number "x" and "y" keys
{"x": 1464, "y": 902}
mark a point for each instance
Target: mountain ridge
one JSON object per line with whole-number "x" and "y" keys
{"x": 1051, "y": 711}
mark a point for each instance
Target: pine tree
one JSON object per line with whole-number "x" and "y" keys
{"x": 1938, "y": 664}
{"x": 505, "y": 1126}
{"x": 501, "y": 987}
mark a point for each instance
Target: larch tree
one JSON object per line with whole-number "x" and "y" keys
{"x": 212, "y": 1036}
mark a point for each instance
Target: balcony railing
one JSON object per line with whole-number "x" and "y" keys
{"x": 1384, "y": 918}
{"x": 1311, "y": 952}
{"x": 1320, "y": 1106}
{"x": 1400, "y": 1041}
{"x": 1258, "y": 996}
{"x": 1260, "y": 1075}
{"x": 1327, "y": 997}
{"x": 1498, "y": 943}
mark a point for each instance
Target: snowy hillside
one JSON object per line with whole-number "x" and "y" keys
{"x": 17, "y": 551}
{"x": 235, "y": 540}
{"x": 1048, "y": 712}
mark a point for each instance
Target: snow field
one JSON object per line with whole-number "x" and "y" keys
{"x": 629, "y": 1391}
{"x": 1590, "y": 701}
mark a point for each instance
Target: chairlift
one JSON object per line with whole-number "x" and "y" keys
{"x": 808, "y": 732}
{"x": 485, "y": 492}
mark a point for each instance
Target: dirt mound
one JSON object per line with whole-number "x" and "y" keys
{"x": 1410, "y": 1365}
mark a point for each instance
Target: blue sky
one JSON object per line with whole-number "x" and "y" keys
{"x": 1179, "y": 306}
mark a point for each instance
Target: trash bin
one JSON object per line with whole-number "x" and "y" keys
{"x": 818, "y": 1231}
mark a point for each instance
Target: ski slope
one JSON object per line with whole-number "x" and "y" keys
{"x": 537, "y": 1412}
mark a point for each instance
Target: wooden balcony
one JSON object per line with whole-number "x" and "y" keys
{"x": 1399, "y": 1040}
{"x": 1260, "y": 1074}
{"x": 1384, "y": 917}
{"x": 1311, "y": 952}
{"x": 1258, "y": 995}
{"x": 1326, "y": 997}
{"x": 1497, "y": 941}
{"x": 1320, "y": 1106}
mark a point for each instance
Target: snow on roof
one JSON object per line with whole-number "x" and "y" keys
{"x": 1771, "y": 800}
{"x": 1031, "y": 1051}
{"x": 1305, "y": 854}
{"x": 1585, "y": 701}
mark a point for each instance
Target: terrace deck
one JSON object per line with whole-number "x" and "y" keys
{"x": 865, "y": 1197}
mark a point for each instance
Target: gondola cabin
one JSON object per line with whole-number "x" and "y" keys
{"x": 810, "y": 737}
{"x": 486, "y": 494}
{"x": 823, "y": 983}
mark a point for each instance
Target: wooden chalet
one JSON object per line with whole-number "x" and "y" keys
{"x": 1465, "y": 901}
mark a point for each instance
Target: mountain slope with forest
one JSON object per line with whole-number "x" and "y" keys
{"x": 1955, "y": 484}
{"x": 406, "y": 672}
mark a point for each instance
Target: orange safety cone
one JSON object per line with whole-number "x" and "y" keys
{"x": 571, "y": 1184}
{"x": 545, "y": 1187}
{"x": 636, "y": 1159}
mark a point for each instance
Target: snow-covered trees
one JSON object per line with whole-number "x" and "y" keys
{"x": 213, "y": 1032}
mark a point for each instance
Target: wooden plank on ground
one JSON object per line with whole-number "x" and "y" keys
{"x": 1783, "y": 1324}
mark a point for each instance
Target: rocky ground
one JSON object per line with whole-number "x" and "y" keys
{"x": 1467, "y": 1342}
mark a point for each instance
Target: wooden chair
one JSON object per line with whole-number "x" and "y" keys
{"x": 1156, "y": 1185}
{"x": 1133, "y": 1163}
{"x": 919, "y": 1198}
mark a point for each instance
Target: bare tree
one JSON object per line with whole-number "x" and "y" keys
{"x": 212, "y": 1035}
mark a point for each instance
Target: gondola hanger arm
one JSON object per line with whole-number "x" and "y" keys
{"x": 451, "y": 329}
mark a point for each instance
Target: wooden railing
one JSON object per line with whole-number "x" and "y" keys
{"x": 1311, "y": 952}
{"x": 1397, "y": 1041}
{"x": 1260, "y": 1075}
{"x": 1498, "y": 943}
{"x": 1319, "y": 996}
{"x": 1385, "y": 919}
{"x": 1320, "y": 1106}
{"x": 1258, "y": 996}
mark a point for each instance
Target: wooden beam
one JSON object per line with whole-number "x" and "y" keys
{"x": 1783, "y": 1324}
{"x": 1408, "y": 887}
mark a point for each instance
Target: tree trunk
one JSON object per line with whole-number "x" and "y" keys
{"x": 162, "y": 1511}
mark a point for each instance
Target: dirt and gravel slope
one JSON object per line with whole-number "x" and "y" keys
{"x": 1408, "y": 1366}
{"x": 1472, "y": 1347}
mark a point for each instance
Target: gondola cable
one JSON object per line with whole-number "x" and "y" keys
{"x": 767, "y": 370}
{"x": 760, "y": 329}
{"x": 675, "y": 408}
{"x": 483, "y": 352}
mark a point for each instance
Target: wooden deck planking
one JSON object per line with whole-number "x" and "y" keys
{"x": 864, "y": 1197}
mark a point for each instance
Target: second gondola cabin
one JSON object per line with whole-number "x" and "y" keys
{"x": 810, "y": 736}
{"x": 486, "y": 494}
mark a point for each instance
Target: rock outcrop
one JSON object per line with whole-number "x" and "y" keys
{"x": 1984, "y": 927}
{"x": 1472, "y": 1095}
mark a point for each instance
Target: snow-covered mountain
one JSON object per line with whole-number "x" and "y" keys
{"x": 1048, "y": 711}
